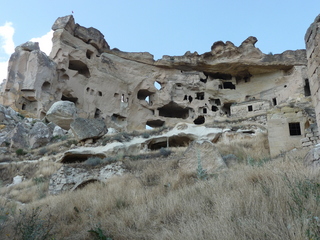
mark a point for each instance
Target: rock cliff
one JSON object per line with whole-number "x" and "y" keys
{"x": 132, "y": 91}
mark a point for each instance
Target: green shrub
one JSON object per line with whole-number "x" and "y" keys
{"x": 39, "y": 180}
{"x": 98, "y": 234}
{"x": 20, "y": 152}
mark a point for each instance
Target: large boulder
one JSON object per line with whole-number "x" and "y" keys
{"x": 39, "y": 135}
{"x": 312, "y": 158}
{"x": 88, "y": 128}
{"x": 62, "y": 113}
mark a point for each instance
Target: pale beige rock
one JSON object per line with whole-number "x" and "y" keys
{"x": 84, "y": 129}
{"x": 312, "y": 158}
{"x": 131, "y": 91}
{"x": 62, "y": 113}
{"x": 69, "y": 178}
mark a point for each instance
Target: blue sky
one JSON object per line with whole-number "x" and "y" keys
{"x": 163, "y": 27}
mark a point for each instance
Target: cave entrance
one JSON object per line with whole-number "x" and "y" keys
{"x": 174, "y": 141}
{"x": 199, "y": 120}
{"x": 69, "y": 98}
{"x": 228, "y": 85}
{"x": 200, "y": 95}
{"x": 173, "y": 110}
{"x": 76, "y": 158}
{"x": 226, "y": 108}
{"x": 97, "y": 113}
{"x": 307, "y": 91}
{"x": 120, "y": 120}
{"x": 223, "y": 76}
{"x": 155, "y": 123}
{"x": 144, "y": 94}
{"x": 79, "y": 66}
{"x": 46, "y": 87}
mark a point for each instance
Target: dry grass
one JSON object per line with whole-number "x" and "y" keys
{"x": 249, "y": 147}
{"x": 35, "y": 184}
{"x": 156, "y": 200}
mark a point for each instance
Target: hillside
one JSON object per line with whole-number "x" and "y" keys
{"x": 97, "y": 143}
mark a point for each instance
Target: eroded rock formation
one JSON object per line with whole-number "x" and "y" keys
{"x": 130, "y": 91}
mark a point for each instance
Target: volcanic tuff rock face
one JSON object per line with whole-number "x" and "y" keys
{"x": 132, "y": 90}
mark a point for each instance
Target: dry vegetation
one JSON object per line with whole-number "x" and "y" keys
{"x": 278, "y": 199}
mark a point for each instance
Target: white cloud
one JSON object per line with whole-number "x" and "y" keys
{"x": 3, "y": 70}
{"x": 45, "y": 42}
{"x": 6, "y": 38}
{"x": 6, "y": 44}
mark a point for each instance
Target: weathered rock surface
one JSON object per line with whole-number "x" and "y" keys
{"x": 69, "y": 178}
{"x": 58, "y": 132}
{"x": 88, "y": 128}
{"x": 19, "y": 137}
{"x": 312, "y": 159}
{"x": 62, "y": 113}
{"x": 226, "y": 84}
{"x": 39, "y": 135}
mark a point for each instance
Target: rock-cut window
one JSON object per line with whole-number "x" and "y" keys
{"x": 294, "y": 129}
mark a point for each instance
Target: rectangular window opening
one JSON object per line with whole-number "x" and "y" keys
{"x": 250, "y": 109}
{"x": 294, "y": 129}
{"x": 274, "y": 101}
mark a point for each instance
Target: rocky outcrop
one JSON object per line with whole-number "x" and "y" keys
{"x": 17, "y": 131}
{"x": 39, "y": 135}
{"x": 32, "y": 76}
{"x": 131, "y": 91}
{"x": 70, "y": 178}
{"x": 88, "y": 128}
{"x": 312, "y": 40}
{"x": 312, "y": 159}
{"x": 62, "y": 113}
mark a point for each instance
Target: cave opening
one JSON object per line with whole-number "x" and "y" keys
{"x": 69, "y": 98}
{"x": 215, "y": 101}
{"x": 223, "y": 76}
{"x": 89, "y": 54}
{"x": 173, "y": 110}
{"x": 79, "y": 66}
{"x": 76, "y": 158}
{"x": 155, "y": 123}
{"x": 97, "y": 113}
{"x": 46, "y": 86}
{"x": 214, "y": 108}
{"x": 307, "y": 91}
{"x": 229, "y": 85}
{"x": 226, "y": 108}
{"x": 199, "y": 120}
{"x": 174, "y": 141}
{"x": 200, "y": 95}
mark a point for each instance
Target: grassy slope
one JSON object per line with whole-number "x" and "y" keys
{"x": 155, "y": 200}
